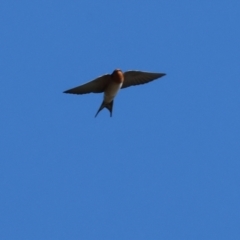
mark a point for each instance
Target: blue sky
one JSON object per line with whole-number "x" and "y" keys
{"x": 165, "y": 166}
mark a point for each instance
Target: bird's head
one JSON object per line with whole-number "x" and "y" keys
{"x": 117, "y": 76}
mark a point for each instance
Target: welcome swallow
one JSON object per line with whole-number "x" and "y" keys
{"x": 110, "y": 84}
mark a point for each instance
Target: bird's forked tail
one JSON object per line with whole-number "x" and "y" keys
{"x": 109, "y": 106}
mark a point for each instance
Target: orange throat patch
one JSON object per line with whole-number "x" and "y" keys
{"x": 117, "y": 76}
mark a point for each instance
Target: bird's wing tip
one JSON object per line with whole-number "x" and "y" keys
{"x": 69, "y": 91}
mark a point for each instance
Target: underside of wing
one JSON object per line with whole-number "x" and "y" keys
{"x": 95, "y": 86}
{"x": 132, "y": 78}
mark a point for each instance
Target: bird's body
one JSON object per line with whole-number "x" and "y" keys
{"x": 114, "y": 86}
{"x": 110, "y": 84}
{"x": 111, "y": 91}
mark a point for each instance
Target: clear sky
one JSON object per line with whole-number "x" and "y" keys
{"x": 165, "y": 166}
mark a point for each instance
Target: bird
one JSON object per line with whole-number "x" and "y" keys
{"x": 110, "y": 84}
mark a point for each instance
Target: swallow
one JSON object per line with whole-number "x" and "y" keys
{"x": 110, "y": 84}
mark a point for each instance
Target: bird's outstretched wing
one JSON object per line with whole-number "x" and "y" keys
{"x": 132, "y": 78}
{"x": 95, "y": 86}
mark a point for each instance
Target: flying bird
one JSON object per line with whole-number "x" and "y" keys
{"x": 110, "y": 84}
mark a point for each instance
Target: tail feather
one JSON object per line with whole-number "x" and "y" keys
{"x": 109, "y": 106}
